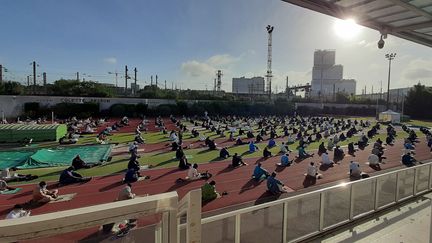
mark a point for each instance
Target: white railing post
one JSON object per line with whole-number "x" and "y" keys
{"x": 416, "y": 172}
{"x": 430, "y": 177}
{"x": 237, "y": 228}
{"x": 321, "y": 211}
{"x": 397, "y": 188}
{"x": 377, "y": 189}
{"x": 285, "y": 222}
{"x": 193, "y": 228}
{"x": 351, "y": 212}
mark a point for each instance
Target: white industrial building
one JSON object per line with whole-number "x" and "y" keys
{"x": 327, "y": 77}
{"x": 244, "y": 85}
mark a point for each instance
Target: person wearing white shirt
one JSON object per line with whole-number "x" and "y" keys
{"x": 193, "y": 173}
{"x": 18, "y": 212}
{"x": 373, "y": 159}
{"x": 355, "y": 170}
{"x": 312, "y": 171}
{"x": 326, "y": 159}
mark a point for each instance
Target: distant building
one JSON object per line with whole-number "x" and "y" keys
{"x": 327, "y": 77}
{"x": 133, "y": 86}
{"x": 244, "y": 85}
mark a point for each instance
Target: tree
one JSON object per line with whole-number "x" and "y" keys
{"x": 418, "y": 102}
{"x": 11, "y": 88}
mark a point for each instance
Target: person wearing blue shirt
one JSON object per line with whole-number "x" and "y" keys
{"x": 271, "y": 143}
{"x": 408, "y": 160}
{"x": 285, "y": 160}
{"x": 274, "y": 185}
{"x": 260, "y": 173}
{"x": 252, "y": 147}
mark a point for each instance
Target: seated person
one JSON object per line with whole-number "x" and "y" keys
{"x": 338, "y": 153}
{"x": 284, "y": 148}
{"x": 252, "y": 147}
{"x": 174, "y": 146}
{"x": 378, "y": 153}
{"x": 260, "y": 173}
{"x": 373, "y": 159}
{"x": 208, "y": 191}
{"x": 8, "y": 177}
{"x": 68, "y": 176}
{"x": 330, "y": 144}
{"x": 211, "y": 145}
{"x": 290, "y": 139}
{"x": 409, "y": 145}
{"x": 224, "y": 153}
{"x": 259, "y": 138}
{"x": 321, "y": 148}
{"x": 139, "y": 139}
{"x": 88, "y": 130}
{"x": 249, "y": 134}
{"x": 326, "y": 159}
{"x": 183, "y": 163}
{"x": 302, "y": 154}
{"x": 312, "y": 171}
{"x": 237, "y": 161}
{"x": 363, "y": 140}
{"x": 355, "y": 170}
{"x": 42, "y": 195}
{"x": 132, "y": 175}
{"x": 285, "y": 160}
{"x": 389, "y": 140}
{"x": 179, "y": 153}
{"x": 134, "y": 163}
{"x": 65, "y": 140}
{"x": 193, "y": 173}
{"x": 78, "y": 163}
{"x": 266, "y": 153}
{"x": 275, "y": 186}
{"x": 4, "y": 186}
{"x": 18, "y": 212}
{"x": 351, "y": 149}
{"x": 271, "y": 143}
{"x": 239, "y": 141}
{"x": 342, "y": 137}
{"x": 408, "y": 160}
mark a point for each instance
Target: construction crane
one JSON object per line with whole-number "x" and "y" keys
{"x": 269, "y": 59}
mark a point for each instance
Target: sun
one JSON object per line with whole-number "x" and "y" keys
{"x": 346, "y": 29}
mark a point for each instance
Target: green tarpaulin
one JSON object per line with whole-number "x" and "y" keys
{"x": 61, "y": 156}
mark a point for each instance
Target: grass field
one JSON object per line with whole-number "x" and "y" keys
{"x": 420, "y": 123}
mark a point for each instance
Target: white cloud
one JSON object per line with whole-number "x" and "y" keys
{"x": 418, "y": 69}
{"x": 197, "y": 69}
{"x": 110, "y": 60}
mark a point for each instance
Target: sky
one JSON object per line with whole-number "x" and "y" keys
{"x": 185, "y": 42}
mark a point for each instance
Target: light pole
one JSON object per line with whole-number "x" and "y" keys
{"x": 390, "y": 57}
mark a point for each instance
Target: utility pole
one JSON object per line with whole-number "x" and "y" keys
{"x": 44, "y": 81}
{"x": 77, "y": 74}
{"x": 269, "y": 59}
{"x": 286, "y": 86}
{"x": 165, "y": 84}
{"x": 390, "y": 57}
{"x": 172, "y": 85}
{"x": 156, "y": 80}
{"x": 34, "y": 77}
{"x": 126, "y": 78}
{"x": 1, "y": 73}
{"x": 151, "y": 80}
{"x": 28, "y": 80}
{"x": 135, "y": 78}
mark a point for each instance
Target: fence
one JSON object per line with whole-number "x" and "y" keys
{"x": 302, "y": 216}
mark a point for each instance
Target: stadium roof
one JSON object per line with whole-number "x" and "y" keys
{"x": 407, "y": 19}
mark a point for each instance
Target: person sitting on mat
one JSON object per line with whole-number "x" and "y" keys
{"x": 285, "y": 160}
{"x": 266, "y": 152}
{"x": 252, "y": 147}
{"x": 271, "y": 143}
{"x": 18, "y": 212}
{"x": 326, "y": 159}
{"x": 78, "y": 163}
{"x": 42, "y": 195}
{"x": 260, "y": 173}
{"x": 302, "y": 154}
{"x": 373, "y": 159}
{"x": 4, "y": 186}
{"x": 275, "y": 186}
{"x": 69, "y": 176}
{"x": 312, "y": 171}
{"x": 355, "y": 171}
{"x": 224, "y": 153}
{"x": 209, "y": 193}
{"x": 183, "y": 163}
{"x": 237, "y": 161}
{"x": 132, "y": 175}
{"x": 408, "y": 160}
{"x": 284, "y": 148}
{"x": 193, "y": 173}
{"x": 8, "y": 177}
{"x": 351, "y": 149}
{"x": 338, "y": 153}
{"x": 322, "y": 149}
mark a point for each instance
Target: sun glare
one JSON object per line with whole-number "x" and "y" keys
{"x": 346, "y": 29}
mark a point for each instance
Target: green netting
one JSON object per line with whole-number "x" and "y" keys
{"x": 63, "y": 156}
{"x": 9, "y": 159}
{"x": 13, "y": 133}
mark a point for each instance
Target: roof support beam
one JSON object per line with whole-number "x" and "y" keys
{"x": 411, "y": 8}
{"x": 413, "y": 26}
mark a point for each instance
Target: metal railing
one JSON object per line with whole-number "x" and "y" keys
{"x": 302, "y": 216}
